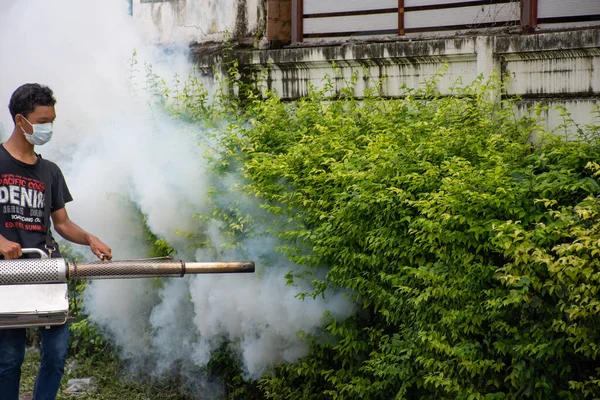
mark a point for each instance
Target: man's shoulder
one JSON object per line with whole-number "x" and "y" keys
{"x": 4, "y": 155}
{"x": 52, "y": 166}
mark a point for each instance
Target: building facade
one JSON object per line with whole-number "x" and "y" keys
{"x": 545, "y": 51}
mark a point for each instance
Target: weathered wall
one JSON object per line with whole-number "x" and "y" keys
{"x": 552, "y": 68}
{"x": 187, "y": 21}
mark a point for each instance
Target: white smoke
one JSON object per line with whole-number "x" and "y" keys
{"x": 121, "y": 156}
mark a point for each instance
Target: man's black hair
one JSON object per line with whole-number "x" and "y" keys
{"x": 24, "y": 100}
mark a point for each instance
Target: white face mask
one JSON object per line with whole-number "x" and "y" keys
{"x": 42, "y": 133}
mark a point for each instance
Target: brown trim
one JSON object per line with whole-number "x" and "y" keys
{"x": 457, "y": 5}
{"x": 415, "y": 30}
{"x": 494, "y": 24}
{"x": 297, "y": 21}
{"x": 410, "y": 30}
{"x": 344, "y": 34}
{"x": 351, "y": 13}
{"x": 400, "y": 17}
{"x": 574, "y": 18}
{"x": 529, "y": 11}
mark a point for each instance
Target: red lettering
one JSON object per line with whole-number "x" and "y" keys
{"x": 36, "y": 186}
{"x": 11, "y": 180}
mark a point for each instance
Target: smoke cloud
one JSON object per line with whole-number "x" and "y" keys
{"x": 123, "y": 158}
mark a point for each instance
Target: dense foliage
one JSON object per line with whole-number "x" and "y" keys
{"x": 468, "y": 236}
{"x": 472, "y": 250}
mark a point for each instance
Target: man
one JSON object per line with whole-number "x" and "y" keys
{"x": 24, "y": 180}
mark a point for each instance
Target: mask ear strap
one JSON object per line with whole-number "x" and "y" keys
{"x": 22, "y": 116}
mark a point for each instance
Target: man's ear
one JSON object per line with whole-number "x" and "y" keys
{"x": 19, "y": 120}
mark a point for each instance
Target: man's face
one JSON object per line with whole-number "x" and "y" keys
{"x": 40, "y": 115}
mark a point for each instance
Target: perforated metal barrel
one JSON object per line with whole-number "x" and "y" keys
{"x": 126, "y": 269}
{"x": 33, "y": 270}
{"x": 149, "y": 268}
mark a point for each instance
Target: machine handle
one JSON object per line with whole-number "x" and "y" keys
{"x": 33, "y": 250}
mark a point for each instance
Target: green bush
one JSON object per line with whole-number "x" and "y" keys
{"x": 471, "y": 250}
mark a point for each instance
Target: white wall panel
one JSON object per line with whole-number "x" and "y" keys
{"x": 462, "y": 16}
{"x": 355, "y": 23}
{"x": 331, "y": 6}
{"x": 562, "y": 8}
{"x": 416, "y": 3}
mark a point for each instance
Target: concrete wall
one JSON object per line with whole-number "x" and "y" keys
{"x": 554, "y": 68}
{"x": 188, "y": 21}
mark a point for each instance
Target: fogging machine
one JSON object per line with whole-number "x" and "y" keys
{"x": 34, "y": 291}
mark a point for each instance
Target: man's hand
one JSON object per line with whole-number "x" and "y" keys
{"x": 73, "y": 233}
{"x": 101, "y": 250}
{"x": 10, "y": 250}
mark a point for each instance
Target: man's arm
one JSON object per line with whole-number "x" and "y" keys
{"x": 73, "y": 233}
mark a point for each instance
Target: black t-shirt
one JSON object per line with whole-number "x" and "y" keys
{"x": 22, "y": 196}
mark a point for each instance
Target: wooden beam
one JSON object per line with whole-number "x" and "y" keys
{"x": 297, "y": 21}
{"x": 401, "y": 17}
{"x": 529, "y": 11}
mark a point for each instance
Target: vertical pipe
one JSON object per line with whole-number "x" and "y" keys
{"x": 400, "y": 17}
{"x": 529, "y": 9}
{"x": 297, "y": 21}
{"x": 534, "y": 14}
